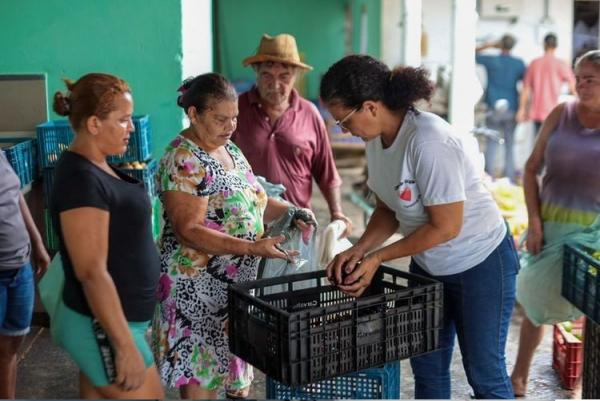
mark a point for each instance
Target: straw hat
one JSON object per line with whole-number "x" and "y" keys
{"x": 280, "y": 49}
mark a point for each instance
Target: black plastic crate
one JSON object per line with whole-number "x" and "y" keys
{"x": 304, "y": 335}
{"x": 591, "y": 361}
{"x": 581, "y": 281}
{"x": 371, "y": 384}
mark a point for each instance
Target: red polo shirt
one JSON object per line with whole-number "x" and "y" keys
{"x": 291, "y": 152}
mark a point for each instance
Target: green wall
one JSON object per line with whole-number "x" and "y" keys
{"x": 137, "y": 40}
{"x": 318, "y": 26}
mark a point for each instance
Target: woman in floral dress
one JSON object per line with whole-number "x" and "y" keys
{"x": 215, "y": 210}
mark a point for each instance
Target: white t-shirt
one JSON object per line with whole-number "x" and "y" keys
{"x": 425, "y": 166}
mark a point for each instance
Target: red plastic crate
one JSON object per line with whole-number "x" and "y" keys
{"x": 567, "y": 354}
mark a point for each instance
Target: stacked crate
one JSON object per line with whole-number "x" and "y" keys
{"x": 20, "y": 153}
{"x": 54, "y": 137}
{"x": 370, "y": 384}
{"x": 581, "y": 287}
{"x": 567, "y": 352}
{"x": 315, "y": 341}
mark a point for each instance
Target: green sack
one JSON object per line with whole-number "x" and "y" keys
{"x": 539, "y": 282}
{"x": 51, "y": 291}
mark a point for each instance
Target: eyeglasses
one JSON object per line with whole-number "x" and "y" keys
{"x": 340, "y": 123}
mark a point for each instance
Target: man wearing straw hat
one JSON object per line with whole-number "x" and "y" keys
{"x": 282, "y": 134}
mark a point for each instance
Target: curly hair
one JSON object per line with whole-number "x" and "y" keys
{"x": 93, "y": 94}
{"x": 358, "y": 78}
{"x": 204, "y": 89}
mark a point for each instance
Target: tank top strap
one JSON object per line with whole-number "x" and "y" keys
{"x": 568, "y": 119}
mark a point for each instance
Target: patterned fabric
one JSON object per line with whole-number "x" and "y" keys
{"x": 190, "y": 340}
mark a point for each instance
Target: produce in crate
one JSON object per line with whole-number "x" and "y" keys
{"x": 510, "y": 199}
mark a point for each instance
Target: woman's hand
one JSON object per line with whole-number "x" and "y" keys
{"x": 40, "y": 258}
{"x": 346, "y": 260}
{"x": 304, "y": 219}
{"x": 535, "y": 236}
{"x": 131, "y": 370}
{"x": 358, "y": 281}
{"x": 269, "y": 248}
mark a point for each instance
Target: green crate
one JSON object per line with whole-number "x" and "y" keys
{"x": 49, "y": 233}
{"x": 156, "y": 218}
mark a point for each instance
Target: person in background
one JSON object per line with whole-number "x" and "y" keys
{"x": 542, "y": 84}
{"x": 111, "y": 264}
{"x": 21, "y": 251}
{"x": 504, "y": 72}
{"x": 283, "y": 135}
{"x": 427, "y": 187}
{"x": 567, "y": 202}
{"x": 215, "y": 211}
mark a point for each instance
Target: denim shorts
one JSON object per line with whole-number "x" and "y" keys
{"x": 16, "y": 300}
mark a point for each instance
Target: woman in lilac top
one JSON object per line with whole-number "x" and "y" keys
{"x": 567, "y": 203}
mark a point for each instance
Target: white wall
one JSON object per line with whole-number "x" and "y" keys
{"x": 196, "y": 21}
{"x": 401, "y": 32}
{"x": 197, "y": 40}
{"x": 528, "y": 29}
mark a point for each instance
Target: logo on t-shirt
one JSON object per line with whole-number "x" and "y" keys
{"x": 407, "y": 193}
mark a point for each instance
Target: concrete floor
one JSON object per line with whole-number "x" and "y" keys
{"x": 46, "y": 372}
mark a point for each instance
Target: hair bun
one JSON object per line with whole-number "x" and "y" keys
{"x": 61, "y": 104}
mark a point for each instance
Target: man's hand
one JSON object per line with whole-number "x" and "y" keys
{"x": 520, "y": 117}
{"x": 346, "y": 220}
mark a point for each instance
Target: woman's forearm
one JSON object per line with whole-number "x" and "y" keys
{"x": 423, "y": 238}
{"x": 531, "y": 188}
{"x": 381, "y": 226}
{"x": 103, "y": 299}
{"x": 213, "y": 242}
{"x": 275, "y": 209}
{"x": 34, "y": 235}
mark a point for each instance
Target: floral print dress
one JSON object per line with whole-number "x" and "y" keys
{"x": 189, "y": 329}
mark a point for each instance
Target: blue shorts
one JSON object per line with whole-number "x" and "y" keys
{"x": 16, "y": 300}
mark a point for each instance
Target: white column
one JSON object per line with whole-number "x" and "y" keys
{"x": 464, "y": 87}
{"x": 411, "y": 38}
{"x": 401, "y": 32}
{"x": 197, "y": 38}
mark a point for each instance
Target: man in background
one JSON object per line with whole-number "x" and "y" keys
{"x": 282, "y": 134}
{"x": 504, "y": 72}
{"x": 542, "y": 84}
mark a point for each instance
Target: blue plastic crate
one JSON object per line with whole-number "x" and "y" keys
{"x": 140, "y": 142}
{"x": 369, "y": 384}
{"x": 145, "y": 175}
{"x": 54, "y": 137}
{"x": 581, "y": 280}
{"x": 20, "y": 153}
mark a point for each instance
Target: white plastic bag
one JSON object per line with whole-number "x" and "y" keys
{"x": 296, "y": 240}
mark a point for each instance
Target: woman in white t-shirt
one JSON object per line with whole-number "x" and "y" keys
{"x": 429, "y": 190}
